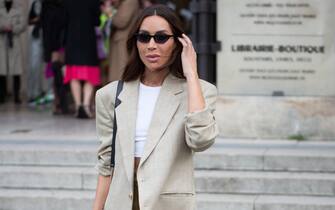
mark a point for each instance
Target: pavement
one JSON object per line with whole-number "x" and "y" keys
{"x": 25, "y": 123}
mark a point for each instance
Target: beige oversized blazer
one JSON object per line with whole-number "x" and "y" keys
{"x": 165, "y": 173}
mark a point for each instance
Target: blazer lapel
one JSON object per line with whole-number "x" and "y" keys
{"x": 165, "y": 108}
{"x": 126, "y": 114}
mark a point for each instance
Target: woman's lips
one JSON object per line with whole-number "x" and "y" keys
{"x": 152, "y": 58}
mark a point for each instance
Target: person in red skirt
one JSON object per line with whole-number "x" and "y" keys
{"x": 81, "y": 59}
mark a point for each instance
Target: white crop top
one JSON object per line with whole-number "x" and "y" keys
{"x": 147, "y": 98}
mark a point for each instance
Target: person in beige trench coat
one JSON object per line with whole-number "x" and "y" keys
{"x": 122, "y": 22}
{"x": 12, "y": 24}
{"x": 183, "y": 121}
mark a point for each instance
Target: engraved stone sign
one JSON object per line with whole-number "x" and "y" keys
{"x": 276, "y": 47}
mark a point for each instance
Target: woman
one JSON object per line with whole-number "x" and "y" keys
{"x": 166, "y": 113}
{"x": 82, "y": 64}
{"x": 12, "y": 25}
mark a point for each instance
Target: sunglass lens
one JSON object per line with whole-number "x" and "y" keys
{"x": 145, "y": 38}
{"x": 161, "y": 38}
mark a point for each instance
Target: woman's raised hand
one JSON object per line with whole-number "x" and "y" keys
{"x": 188, "y": 57}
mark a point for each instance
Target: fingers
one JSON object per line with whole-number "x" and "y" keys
{"x": 185, "y": 41}
{"x": 188, "y": 40}
{"x": 182, "y": 41}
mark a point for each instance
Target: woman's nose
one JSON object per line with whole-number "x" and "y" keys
{"x": 152, "y": 44}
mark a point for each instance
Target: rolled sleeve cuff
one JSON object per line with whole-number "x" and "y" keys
{"x": 103, "y": 171}
{"x": 201, "y": 117}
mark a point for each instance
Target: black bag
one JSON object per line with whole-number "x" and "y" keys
{"x": 117, "y": 103}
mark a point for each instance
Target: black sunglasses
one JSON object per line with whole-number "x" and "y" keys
{"x": 159, "y": 38}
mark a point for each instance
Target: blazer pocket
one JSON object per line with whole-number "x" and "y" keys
{"x": 176, "y": 201}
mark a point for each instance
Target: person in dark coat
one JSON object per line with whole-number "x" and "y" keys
{"x": 81, "y": 57}
{"x": 53, "y": 22}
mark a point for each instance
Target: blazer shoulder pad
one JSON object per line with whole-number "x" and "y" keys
{"x": 108, "y": 91}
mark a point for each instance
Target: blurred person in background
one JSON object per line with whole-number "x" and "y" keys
{"x": 147, "y": 3}
{"x": 103, "y": 35}
{"x": 12, "y": 24}
{"x": 107, "y": 12}
{"x": 82, "y": 64}
{"x": 122, "y": 21}
{"x": 36, "y": 55}
{"x": 181, "y": 7}
{"x": 53, "y": 26}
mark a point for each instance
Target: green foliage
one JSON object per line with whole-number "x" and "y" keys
{"x": 297, "y": 137}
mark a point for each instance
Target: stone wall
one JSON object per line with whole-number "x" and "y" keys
{"x": 311, "y": 118}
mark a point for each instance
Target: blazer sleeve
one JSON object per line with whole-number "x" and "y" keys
{"x": 200, "y": 127}
{"x": 104, "y": 127}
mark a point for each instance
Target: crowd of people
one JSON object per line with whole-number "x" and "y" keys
{"x": 75, "y": 47}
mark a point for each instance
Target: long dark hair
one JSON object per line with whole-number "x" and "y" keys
{"x": 135, "y": 67}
